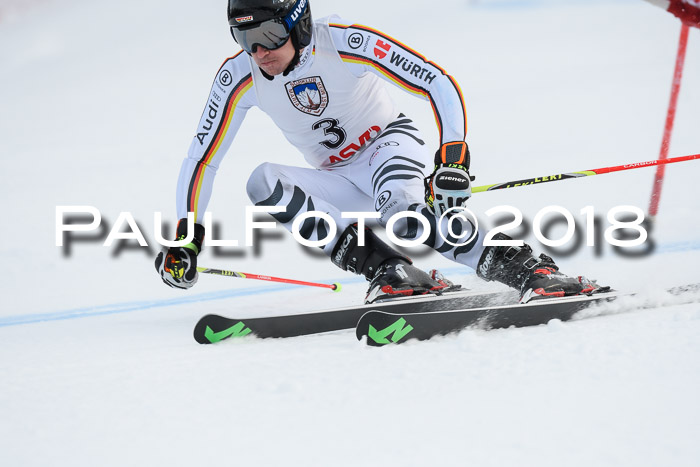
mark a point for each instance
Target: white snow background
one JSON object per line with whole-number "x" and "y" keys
{"x": 97, "y": 363}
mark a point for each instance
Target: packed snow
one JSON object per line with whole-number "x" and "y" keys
{"x": 97, "y": 362}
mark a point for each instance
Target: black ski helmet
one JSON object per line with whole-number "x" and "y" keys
{"x": 295, "y": 15}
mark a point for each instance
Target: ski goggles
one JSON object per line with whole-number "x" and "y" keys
{"x": 271, "y": 34}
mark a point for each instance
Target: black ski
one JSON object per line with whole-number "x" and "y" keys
{"x": 382, "y": 327}
{"x": 214, "y": 328}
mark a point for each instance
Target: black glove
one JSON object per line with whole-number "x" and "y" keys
{"x": 178, "y": 265}
{"x": 450, "y": 183}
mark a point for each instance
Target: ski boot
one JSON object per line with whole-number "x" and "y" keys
{"x": 397, "y": 277}
{"x": 534, "y": 278}
{"x": 391, "y": 274}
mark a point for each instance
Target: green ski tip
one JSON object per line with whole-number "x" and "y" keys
{"x": 337, "y": 287}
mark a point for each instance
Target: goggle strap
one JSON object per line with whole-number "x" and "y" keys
{"x": 290, "y": 21}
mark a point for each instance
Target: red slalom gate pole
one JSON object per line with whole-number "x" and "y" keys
{"x": 335, "y": 287}
{"x": 670, "y": 116}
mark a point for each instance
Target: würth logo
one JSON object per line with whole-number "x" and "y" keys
{"x": 381, "y": 48}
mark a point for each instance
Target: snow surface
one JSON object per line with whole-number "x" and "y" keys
{"x": 97, "y": 363}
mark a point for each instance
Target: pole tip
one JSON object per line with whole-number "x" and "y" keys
{"x": 337, "y": 287}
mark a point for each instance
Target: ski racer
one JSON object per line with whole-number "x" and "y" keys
{"x": 322, "y": 83}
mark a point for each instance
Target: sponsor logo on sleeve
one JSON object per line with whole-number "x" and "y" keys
{"x": 411, "y": 67}
{"x": 225, "y": 78}
{"x": 381, "y": 48}
{"x": 355, "y": 40}
{"x": 210, "y": 114}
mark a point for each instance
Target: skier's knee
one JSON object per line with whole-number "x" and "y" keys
{"x": 259, "y": 186}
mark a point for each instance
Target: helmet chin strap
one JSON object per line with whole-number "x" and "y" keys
{"x": 295, "y": 59}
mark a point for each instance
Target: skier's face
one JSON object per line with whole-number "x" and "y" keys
{"x": 274, "y": 62}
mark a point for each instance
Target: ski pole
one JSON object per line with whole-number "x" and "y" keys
{"x": 335, "y": 287}
{"x": 584, "y": 173}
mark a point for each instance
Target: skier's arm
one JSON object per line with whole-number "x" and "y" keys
{"x": 364, "y": 50}
{"x": 229, "y": 99}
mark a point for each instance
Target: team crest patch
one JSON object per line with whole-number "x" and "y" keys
{"x": 308, "y": 95}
